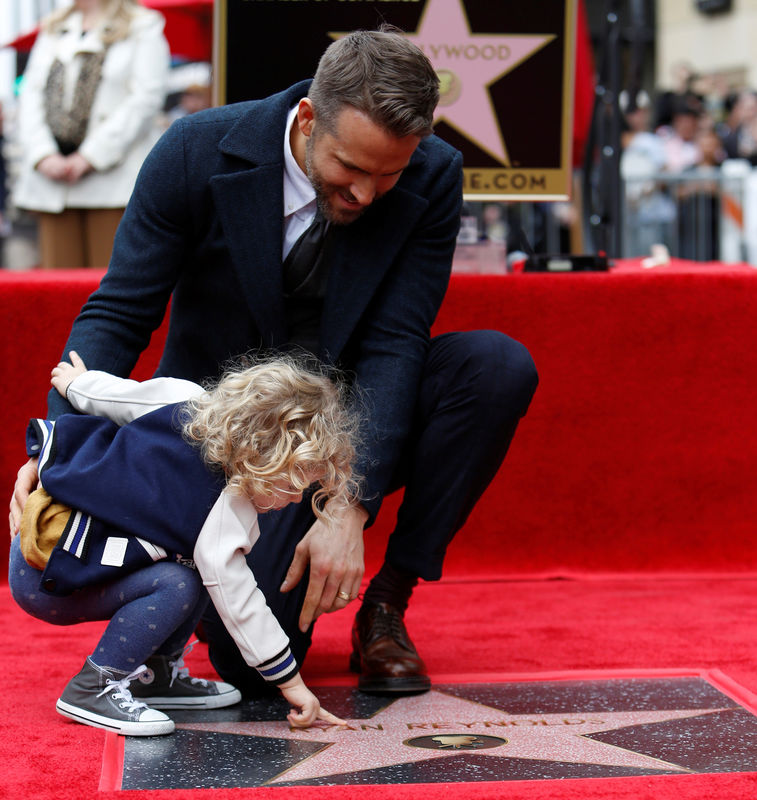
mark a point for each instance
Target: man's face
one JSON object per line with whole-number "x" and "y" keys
{"x": 355, "y": 165}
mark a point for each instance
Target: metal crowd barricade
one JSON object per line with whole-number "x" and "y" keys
{"x": 699, "y": 214}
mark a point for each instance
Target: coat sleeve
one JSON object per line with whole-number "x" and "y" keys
{"x": 115, "y": 324}
{"x": 396, "y": 332}
{"x": 123, "y": 400}
{"x": 227, "y": 536}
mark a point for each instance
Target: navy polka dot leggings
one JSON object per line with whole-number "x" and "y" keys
{"x": 152, "y": 611}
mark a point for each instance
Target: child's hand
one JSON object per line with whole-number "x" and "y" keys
{"x": 302, "y": 698}
{"x": 64, "y": 373}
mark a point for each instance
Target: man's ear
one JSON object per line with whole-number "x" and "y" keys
{"x": 305, "y": 116}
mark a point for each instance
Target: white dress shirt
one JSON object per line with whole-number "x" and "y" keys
{"x": 299, "y": 195}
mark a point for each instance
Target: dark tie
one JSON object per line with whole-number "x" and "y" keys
{"x": 303, "y": 256}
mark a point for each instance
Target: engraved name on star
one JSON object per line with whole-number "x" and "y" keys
{"x": 399, "y": 734}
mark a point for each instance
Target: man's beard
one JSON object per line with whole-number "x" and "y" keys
{"x": 323, "y": 191}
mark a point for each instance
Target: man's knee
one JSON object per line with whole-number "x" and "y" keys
{"x": 513, "y": 376}
{"x": 488, "y": 365}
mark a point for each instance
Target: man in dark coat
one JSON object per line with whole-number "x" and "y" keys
{"x": 212, "y": 224}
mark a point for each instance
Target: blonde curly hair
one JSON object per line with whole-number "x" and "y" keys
{"x": 278, "y": 422}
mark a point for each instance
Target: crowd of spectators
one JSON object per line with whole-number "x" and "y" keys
{"x": 673, "y": 146}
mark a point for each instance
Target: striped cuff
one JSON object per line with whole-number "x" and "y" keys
{"x": 278, "y": 669}
{"x": 75, "y": 536}
{"x": 39, "y": 441}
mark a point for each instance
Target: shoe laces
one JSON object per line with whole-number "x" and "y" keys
{"x": 390, "y": 624}
{"x": 122, "y": 692}
{"x": 178, "y": 670}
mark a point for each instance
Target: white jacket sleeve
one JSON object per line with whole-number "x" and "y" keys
{"x": 227, "y": 536}
{"x": 123, "y": 399}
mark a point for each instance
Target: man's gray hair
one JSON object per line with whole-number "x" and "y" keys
{"x": 383, "y": 75}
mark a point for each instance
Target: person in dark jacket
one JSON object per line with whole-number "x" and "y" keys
{"x": 212, "y": 224}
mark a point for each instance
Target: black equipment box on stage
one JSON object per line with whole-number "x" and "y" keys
{"x": 544, "y": 262}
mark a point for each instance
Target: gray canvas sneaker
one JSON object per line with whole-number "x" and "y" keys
{"x": 167, "y": 684}
{"x": 100, "y": 696}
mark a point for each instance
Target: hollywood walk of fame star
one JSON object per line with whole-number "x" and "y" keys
{"x": 468, "y": 64}
{"x": 437, "y": 725}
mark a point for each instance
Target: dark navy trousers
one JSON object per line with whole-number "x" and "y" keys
{"x": 475, "y": 388}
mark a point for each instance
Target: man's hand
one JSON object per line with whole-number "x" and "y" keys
{"x": 64, "y": 373}
{"x": 26, "y": 483}
{"x": 335, "y": 555}
{"x": 306, "y": 709}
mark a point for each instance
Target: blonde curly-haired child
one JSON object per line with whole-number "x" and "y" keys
{"x": 154, "y": 492}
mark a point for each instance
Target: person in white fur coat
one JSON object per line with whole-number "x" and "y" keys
{"x": 91, "y": 95}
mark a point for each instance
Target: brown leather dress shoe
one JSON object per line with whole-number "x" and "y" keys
{"x": 383, "y": 654}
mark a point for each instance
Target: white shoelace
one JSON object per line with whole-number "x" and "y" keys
{"x": 178, "y": 668}
{"x": 122, "y": 692}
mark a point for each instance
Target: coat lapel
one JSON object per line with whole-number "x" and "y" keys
{"x": 73, "y": 40}
{"x": 362, "y": 254}
{"x": 250, "y": 206}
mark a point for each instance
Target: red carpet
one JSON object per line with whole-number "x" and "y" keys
{"x": 632, "y": 456}
{"x": 502, "y": 629}
{"x": 630, "y": 474}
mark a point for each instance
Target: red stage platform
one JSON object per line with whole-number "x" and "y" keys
{"x": 636, "y": 452}
{"x": 629, "y": 479}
